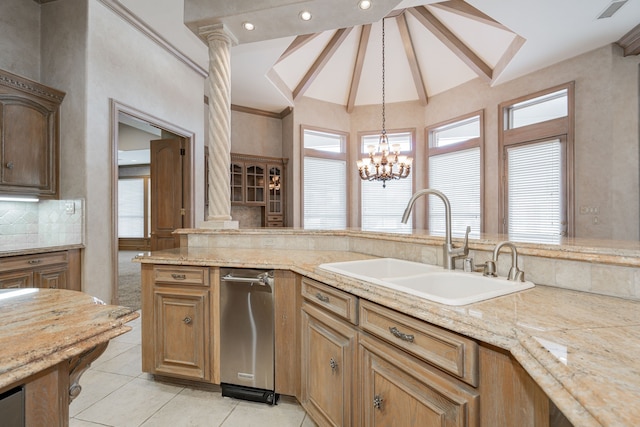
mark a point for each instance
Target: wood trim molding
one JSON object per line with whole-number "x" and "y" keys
{"x": 296, "y": 44}
{"x": 141, "y": 26}
{"x": 630, "y": 42}
{"x": 357, "y": 69}
{"x": 450, "y": 40}
{"x": 331, "y": 48}
{"x": 414, "y": 66}
{"x": 462, "y": 8}
{"x": 30, "y": 87}
{"x": 284, "y": 113}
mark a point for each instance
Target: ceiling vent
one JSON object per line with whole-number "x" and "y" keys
{"x": 613, "y": 7}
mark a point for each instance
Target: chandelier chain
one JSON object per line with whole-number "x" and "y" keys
{"x": 383, "y": 76}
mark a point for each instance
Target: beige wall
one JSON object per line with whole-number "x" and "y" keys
{"x": 606, "y": 136}
{"x": 256, "y": 135}
{"x": 20, "y": 38}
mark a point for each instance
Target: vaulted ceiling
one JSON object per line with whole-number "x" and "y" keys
{"x": 430, "y": 46}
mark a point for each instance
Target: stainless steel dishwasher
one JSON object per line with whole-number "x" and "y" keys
{"x": 246, "y": 334}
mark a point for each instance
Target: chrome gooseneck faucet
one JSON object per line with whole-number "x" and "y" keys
{"x": 515, "y": 273}
{"x": 449, "y": 252}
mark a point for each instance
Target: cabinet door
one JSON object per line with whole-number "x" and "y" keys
{"x": 51, "y": 278}
{"x": 328, "y": 361}
{"x": 181, "y": 332}
{"x": 237, "y": 183}
{"x": 255, "y": 184}
{"x": 400, "y": 391}
{"x": 20, "y": 279}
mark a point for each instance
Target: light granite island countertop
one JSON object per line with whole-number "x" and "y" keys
{"x": 580, "y": 348}
{"x": 48, "y": 337}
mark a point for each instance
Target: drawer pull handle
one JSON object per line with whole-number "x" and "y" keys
{"x": 377, "y": 401}
{"x": 187, "y": 320}
{"x": 322, "y": 298}
{"x": 179, "y": 276}
{"x": 404, "y": 337}
{"x": 333, "y": 364}
{"x": 35, "y": 261}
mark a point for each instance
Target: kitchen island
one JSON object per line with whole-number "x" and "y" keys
{"x": 578, "y": 347}
{"x": 48, "y": 337}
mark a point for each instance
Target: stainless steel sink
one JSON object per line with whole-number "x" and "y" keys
{"x": 428, "y": 281}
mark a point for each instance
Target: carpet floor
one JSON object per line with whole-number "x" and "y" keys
{"x": 129, "y": 287}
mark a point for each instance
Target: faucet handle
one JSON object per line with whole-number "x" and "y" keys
{"x": 490, "y": 269}
{"x": 466, "y": 240}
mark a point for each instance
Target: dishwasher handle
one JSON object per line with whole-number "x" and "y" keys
{"x": 262, "y": 279}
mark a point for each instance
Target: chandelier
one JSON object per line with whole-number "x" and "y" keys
{"x": 386, "y": 163}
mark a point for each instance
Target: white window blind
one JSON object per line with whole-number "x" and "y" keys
{"x": 325, "y": 193}
{"x": 535, "y": 191}
{"x": 131, "y": 207}
{"x": 381, "y": 208}
{"x": 457, "y": 175}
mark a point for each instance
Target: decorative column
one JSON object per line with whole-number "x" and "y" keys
{"x": 220, "y": 41}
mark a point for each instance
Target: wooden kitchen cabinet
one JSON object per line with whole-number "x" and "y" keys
{"x": 56, "y": 270}
{"x": 177, "y": 302}
{"x": 400, "y": 390}
{"x": 328, "y": 357}
{"x": 258, "y": 181}
{"x": 29, "y": 137}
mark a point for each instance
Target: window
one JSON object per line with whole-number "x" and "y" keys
{"x": 455, "y": 170}
{"x": 133, "y": 208}
{"x": 381, "y": 208}
{"x": 536, "y": 143}
{"x": 534, "y": 193}
{"x": 325, "y": 179}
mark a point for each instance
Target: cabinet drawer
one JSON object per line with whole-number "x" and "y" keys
{"x": 448, "y": 351}
{"x": 181, "y": 275}
{"x": 334, "y": 300}
{"x": 33, "y": 261}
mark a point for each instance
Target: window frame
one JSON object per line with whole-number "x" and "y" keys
{"x": 459, "y": 146}
{"x": 560, "y": 128}
{"x": 361, "y": 154}
{"x": 310, "y": 152}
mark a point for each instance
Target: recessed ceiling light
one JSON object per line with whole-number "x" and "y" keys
{"x": 305, "y": 15}
{"x": 248, "y": 26}
{"x": 364, "y": 4}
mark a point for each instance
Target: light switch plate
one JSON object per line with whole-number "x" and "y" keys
{"x": 70, "y": 207}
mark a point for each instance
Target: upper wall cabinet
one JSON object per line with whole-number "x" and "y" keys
{"x": 29, "y": 137}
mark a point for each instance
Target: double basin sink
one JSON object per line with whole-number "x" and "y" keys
{"x": 431, "y": 282}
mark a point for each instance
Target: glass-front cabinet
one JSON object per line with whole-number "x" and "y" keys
{"x": 258, "y": 182}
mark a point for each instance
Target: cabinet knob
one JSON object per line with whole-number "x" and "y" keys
{"x": 9, "y": 165}
{"x": 333, "y": 364}
{"x": 187, "y": 320}
{"x": 377, "y": 401}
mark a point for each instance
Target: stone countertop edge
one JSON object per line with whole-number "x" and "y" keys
{"x": 39, "y": 250}
{"x": 19, "y": 367}
{"x": 582, "y": 407}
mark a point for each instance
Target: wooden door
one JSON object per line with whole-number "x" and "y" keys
{"x": 19, "y": 279}
{"x": 167, "y": 203}
{"x": 328, "y": 361}
{"x": 51, "y": 278}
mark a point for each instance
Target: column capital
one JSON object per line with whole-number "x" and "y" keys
{"x": 217, "y": 32}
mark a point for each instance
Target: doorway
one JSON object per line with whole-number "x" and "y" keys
{"x": 138, "y": 141}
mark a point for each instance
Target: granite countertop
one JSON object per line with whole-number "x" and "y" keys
{"x": 580, "y": 348}
{"x": 40, "y": 328}
{"x": 29, "y": 249}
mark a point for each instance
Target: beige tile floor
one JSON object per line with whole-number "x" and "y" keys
{"x": 116, "y": 393}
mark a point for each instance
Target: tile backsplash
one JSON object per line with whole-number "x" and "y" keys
{"x": 42, "y": 224}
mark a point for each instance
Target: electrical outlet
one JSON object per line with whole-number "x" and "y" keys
{"x": 70, "y": 208}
